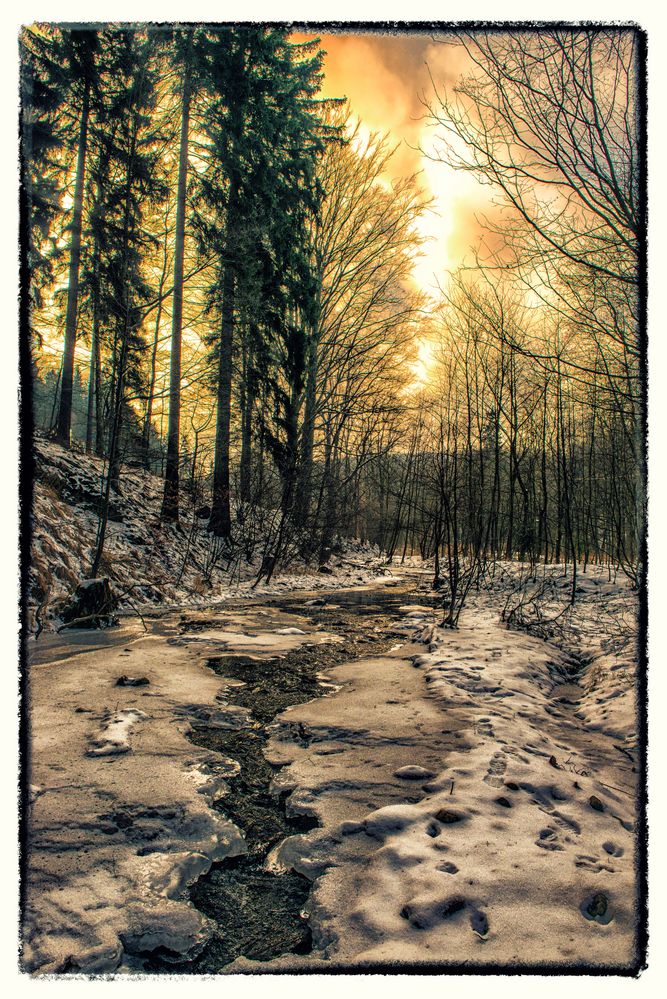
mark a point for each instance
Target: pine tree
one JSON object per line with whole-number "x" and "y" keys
{"x": 79, "y": 48}
{"x": 43, "y": 93}
{"x": 132, "y": 187}
{"x": 264, "y": 134}
{"x": 185, "y": 56}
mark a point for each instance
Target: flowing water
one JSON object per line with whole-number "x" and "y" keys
{"x": 260, "y": 914}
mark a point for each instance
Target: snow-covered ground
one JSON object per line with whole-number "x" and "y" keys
{"x": 476, "y": 800}
{"x": 121, "y": 817}
{"x": 475, "y": 808}
{"x": 600, "y": 632}
{"x": 149, "y": 562}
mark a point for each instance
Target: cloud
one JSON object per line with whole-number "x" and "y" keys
{"x": 383, "y": 76}
{"x": 389, "y": 79}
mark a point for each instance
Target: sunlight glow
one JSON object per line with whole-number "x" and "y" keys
{"x": 422, "y": 367}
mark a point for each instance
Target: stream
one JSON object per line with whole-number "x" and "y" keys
{"x": 259, "y": 914}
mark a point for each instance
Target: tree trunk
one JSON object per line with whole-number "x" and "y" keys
{"x": 247, "y": 405}
{"x": 94, "y": 376}
{"x": 118, "y": 381}
{"x": 302, "y": 503}
{"x": 171, "y": 480}
{"x": 64, "y": 424}
{"x": 220, "y": 523}
{"x": 152, "y": 379}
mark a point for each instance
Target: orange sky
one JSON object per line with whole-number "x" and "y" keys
{"x": 386, "y": 78}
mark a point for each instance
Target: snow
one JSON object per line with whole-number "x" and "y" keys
{"x": 149, "y": 562}
{"x": 475, "y": 797}
{"x": 278, "y": 642}
{"x": 521, "y": 848}
{"x": 122, "y": 817}
{"x": 114, "y": 738}
{"x": 413, "y": 773}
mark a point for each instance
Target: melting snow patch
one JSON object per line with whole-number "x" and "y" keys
{"x": 114, "y": 737}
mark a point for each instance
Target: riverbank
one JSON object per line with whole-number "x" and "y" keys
{"x": 322, "y": 782}
{"x": 123, "y": 812}
{"x": 514, "y": 844}
{"x": 154, "y": 564}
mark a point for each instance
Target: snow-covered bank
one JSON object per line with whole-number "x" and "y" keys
{"x": 599, "y": 631}
{"x": 512, "y": 839}
{"x": 149, "y": 562}
{"x": 122, "y": 818}
{"x": 474, "y": 806}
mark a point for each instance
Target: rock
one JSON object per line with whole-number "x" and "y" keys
{"x": 326, "y": 570}
{"x": 132, "y": 681}
{"x": 595, "y": 803}
{"x": 91, "y": 606}
{"x": 203, "y": 512}
{"x": 413, "y": 773}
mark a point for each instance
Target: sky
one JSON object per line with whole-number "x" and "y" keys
{"x": 388, "y": 80}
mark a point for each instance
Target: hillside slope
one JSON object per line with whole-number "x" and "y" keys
{"x": 148, "y": 562}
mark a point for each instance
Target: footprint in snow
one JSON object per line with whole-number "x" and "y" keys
{"x": 447, "y": 867}
{"x": 594, "y": 864}
{"x": 424, "y": 916}
{"x": 565, "y": 823}
{"x": 497, "y": 767}
{"x": 479, "y": 923}
{"x": 483, "y": 727}
{"x": 548, "y": 840}
{"x": 449, "y": 816}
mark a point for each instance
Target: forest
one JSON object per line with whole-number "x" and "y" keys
{"x": 232, "y": 376}
{"x": 220, "y": 292}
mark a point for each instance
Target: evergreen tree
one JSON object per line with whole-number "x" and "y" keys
{"x": 79, "y": 48}
{"x": 132, "y": 188}
{"x": 43, "y": 93}
{"x": 185, "y": 56}
{"x": 264, "y": 135}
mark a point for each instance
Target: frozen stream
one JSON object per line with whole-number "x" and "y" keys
{"x": 136, "y": 789}
{"x": 262, "y": 913}
{"x": 323, "y": 781}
